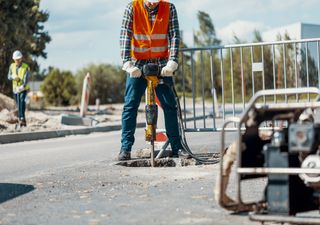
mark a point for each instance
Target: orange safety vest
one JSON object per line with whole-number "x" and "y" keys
{"x": 150, "y": 41}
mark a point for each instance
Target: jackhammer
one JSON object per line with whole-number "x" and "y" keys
{"x": 151, "y": 73}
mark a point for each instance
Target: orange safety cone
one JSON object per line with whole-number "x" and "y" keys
{"x": 161, "y": 137}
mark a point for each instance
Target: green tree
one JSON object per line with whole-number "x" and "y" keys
{"x": 234, "y": 71}
{"x": 308, "y": 69}
{"x": 108, "y": 83}
{"x": 59, "y": 88}
{"x": 285, "y": 66}
{"x": 263, "y": 54}
{"x": 205, "y": 36}
{"x": 181, "y": 83}
{"x": 21, "y": 27}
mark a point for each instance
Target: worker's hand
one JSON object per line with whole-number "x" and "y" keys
{"x": 168, "y": 70}
{"x": 134, "y": 71}
{"x": 15, "y": 78}
{"x": 20, "y": 89}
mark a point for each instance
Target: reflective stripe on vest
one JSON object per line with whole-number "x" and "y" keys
{"x": 152, "y": 49}
{"x": 150, "y": 37}
{"x": 150, "y": 41}
{"x": 22, "y": 70}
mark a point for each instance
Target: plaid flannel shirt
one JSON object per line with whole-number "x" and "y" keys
{"x": 127, "y": 34}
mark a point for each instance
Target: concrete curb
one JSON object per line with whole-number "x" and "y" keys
{"x": 40, "y": 135}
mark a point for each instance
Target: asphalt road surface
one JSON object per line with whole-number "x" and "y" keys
{"x": 74, "y": 180}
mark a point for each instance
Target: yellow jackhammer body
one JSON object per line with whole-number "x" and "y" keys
{"x": 151, "y": 73}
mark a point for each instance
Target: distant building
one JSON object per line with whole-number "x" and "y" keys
{"x": 35, "y": 85}
{"x": 296, "y": 31}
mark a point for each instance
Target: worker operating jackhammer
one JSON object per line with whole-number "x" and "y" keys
{"x": 149, "y": 33}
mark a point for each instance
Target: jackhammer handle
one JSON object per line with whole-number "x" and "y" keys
{"x": 151, "y": 69}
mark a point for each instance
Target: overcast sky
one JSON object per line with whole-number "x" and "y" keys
{"x": 87, "y": 31}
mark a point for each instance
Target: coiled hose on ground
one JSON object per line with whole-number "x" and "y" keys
{"x": 204, "y": 159}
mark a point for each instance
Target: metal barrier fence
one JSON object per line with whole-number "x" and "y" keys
{"x": 216, "y": 82}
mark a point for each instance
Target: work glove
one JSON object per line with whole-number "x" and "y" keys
{"x": 20, "y": 89}
{"x": 134, "y": 71}
{"x": 168, "y": 70}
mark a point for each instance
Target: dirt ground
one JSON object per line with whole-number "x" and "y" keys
{"x": 50, "y": 117}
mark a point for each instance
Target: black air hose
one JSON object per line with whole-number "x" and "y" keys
{"x": 183, "y": 136}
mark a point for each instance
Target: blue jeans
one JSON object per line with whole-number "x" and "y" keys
{"x": 135, "y": 89}
{"x": 21, "y": 104}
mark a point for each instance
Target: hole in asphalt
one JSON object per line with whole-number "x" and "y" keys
{"x": 141, "y": 158}
{"x": 165, "y": 162}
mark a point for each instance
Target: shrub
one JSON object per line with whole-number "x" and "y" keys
{"x": 59, "y": 88}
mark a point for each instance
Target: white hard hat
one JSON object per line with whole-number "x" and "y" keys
{"x": 16, "y": 55}
{"x": 153, "y": 1}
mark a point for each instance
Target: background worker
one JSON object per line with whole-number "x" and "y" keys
{"x": 149, "y": 33}
{"x": 19, "y": 73}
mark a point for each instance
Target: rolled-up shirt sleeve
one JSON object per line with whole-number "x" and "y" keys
{"x": 174, "y": 34}
{"x": 26, "y": 78}
{"x": 10, "y": 74}
{"x": 126, "y": 34}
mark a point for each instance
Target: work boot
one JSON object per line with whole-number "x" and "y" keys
{"x": 124, "y": 155}
{"x": 22, "y": 123}
{"x": 181, "y": 154}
